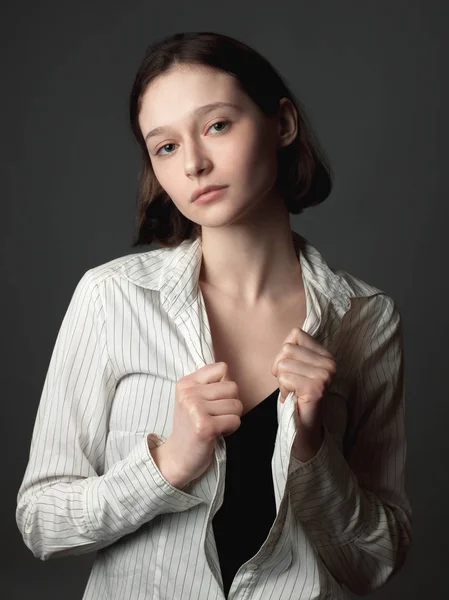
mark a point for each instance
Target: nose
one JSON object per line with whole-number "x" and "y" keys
{"x": 196, "y": 160}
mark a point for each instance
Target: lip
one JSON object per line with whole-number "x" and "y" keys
{"x": 209, "y": 196}
{"x": 209, "y": 188}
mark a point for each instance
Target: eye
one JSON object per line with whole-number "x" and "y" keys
{"x": 164, "y": 146}
{"x": 219, "y": 123}
{"x": 213, "y": 125}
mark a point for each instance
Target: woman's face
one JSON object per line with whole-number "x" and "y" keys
{"x": 232, "y": 146}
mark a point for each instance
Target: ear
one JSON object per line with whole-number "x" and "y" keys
{"x": 288, "y": 122}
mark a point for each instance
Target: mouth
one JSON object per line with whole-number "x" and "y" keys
{"x": 210, "y": 195}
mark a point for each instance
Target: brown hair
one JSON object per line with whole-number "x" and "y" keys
{"x": 304, "y": 174}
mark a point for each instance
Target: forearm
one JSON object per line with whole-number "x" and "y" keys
{"x": 73, "y": 514}
{"x": 349, "y": 525}
{"x": 306, "y": 445}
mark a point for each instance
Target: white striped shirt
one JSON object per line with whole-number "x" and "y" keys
{"x": 134, "y": 326}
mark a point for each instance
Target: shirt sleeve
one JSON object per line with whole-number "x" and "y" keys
{"x": 66, "y": 504}
{"x": 355, "y": 507}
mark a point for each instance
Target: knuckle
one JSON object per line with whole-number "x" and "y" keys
{"x": 238, "y": 407}
{"x": 284, "y": 380}
{"x": 193, "y": 407}
{"x": 236, "y": 420}
{"x": 203, "y": 428}
{"x": 234, "y": 388}
{"x": 185, "y": 382}
{"x": 319, "y": 388}
{"x": 332, "y": 365}
{"x": 286, "y": 348}
{"x": 183, "y": 395}
{"x": 282, "y": 364}
{"x": 323, "y": 374}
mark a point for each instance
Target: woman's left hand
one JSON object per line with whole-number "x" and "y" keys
{"x": 303, "y": 366}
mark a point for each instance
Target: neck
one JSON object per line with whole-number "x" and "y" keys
{"x": 251, "y": 266}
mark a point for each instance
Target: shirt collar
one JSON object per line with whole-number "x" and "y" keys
{"x": 174, "y": 273}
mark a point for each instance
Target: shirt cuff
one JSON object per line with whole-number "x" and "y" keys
{"x": 326, "y": 496}
{"x": 131, "y": 493}
{"x": 183, "y": 494}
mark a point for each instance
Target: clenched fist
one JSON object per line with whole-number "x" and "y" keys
{"x": 207, "y": 405}
{"x": 305, "y": 367}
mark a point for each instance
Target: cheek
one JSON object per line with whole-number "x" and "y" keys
{"x": 251, "y": 160}
{"x": 262, "y": 164}
{"x": 167, "y": 179}
{"x": 262, "y": 150}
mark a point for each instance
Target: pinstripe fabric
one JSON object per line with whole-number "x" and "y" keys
{"x": 134, "y": 326}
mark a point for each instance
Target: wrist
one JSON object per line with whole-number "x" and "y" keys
{"x": 167, "y": 466}
{"x": 306, "y": 444}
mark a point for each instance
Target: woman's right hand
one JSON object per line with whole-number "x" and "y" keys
{"x": 207, "y": 405}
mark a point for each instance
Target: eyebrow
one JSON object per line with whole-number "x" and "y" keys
{"x": 201, "y": 110}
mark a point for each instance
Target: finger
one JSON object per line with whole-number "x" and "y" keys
{"x": 306, "y": 389}
{"x": 284, "y": 393}
{"x": 224, "y": 406}
{"x": 209, "y": 374}
{"x": 303, "y": 369}
{"x": 301, "y": 338}
{"x": 298, "y": 382}
{"x": 305, "y": 355}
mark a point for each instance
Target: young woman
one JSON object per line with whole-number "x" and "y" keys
{"x": 222, "y": 416}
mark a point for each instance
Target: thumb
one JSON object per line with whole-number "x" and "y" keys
{"x": 226, "y": 377}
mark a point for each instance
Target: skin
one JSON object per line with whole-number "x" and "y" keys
{"x": 248, "y": 254}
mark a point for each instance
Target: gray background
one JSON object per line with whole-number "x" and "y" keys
{"x": 374, "y": 81}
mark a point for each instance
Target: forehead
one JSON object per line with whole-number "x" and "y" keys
{"x": 172, "y": 96}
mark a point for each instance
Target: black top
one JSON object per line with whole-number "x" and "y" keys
{"x": 242, "y": 523}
